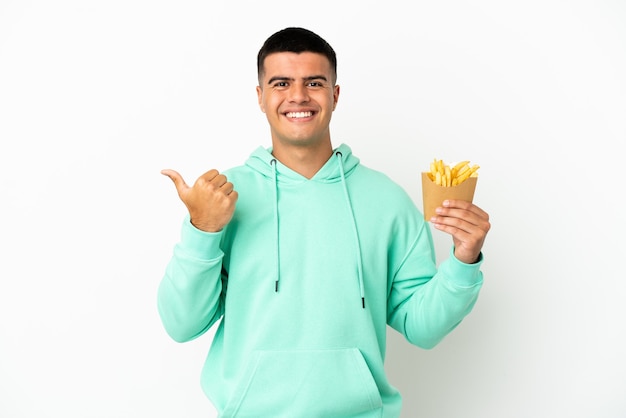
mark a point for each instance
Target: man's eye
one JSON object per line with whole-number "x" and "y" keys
{"x": 281, "y": 84}
{"x": 315, "y": 84}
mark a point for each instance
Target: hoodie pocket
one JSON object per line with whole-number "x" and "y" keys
{"x": 306, "y": 384}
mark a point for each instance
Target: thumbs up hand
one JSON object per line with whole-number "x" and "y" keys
{"x": 210, "y": 201}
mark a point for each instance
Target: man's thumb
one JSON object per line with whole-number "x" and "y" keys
{"x": 176, "y": 178}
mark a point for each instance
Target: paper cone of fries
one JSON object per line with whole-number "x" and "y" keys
{"x": 434, "y": 195}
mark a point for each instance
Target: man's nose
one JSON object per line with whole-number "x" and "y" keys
{"x": 298, "y": 93}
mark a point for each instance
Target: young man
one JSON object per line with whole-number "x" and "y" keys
{"x": 304, "y": 256}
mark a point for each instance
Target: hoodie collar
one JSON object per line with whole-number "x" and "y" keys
{"x": 261, "y": 161}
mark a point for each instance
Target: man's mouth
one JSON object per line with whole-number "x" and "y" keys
{"x": 298, "y": 115}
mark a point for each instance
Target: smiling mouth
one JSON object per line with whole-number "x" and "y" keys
{"x": 298, "y": 115}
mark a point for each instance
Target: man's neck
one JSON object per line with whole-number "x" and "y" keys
{"x": 304, "y": 160}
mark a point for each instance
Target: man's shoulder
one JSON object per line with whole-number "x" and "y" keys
{"x": 236, "y": 170}
{"x": 375, "y": 175}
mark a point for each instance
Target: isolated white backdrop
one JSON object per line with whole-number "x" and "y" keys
{"x": 96, "y": 97}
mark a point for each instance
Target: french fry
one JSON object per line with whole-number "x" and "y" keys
{"x": 458, "y": 166}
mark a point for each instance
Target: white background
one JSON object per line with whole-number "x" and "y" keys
{"x": 96, "y": 97}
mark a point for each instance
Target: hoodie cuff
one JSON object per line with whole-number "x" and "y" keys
{"x": 200, "y": 244}
{"x": 460, "y": 273}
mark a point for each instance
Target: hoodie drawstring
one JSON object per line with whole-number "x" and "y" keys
{"x": 338, "y": 154}
{"x": 354, "y": 228}
{"x": 273, "y": 163}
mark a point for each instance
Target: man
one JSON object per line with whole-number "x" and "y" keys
{"x": 304, "y": 256}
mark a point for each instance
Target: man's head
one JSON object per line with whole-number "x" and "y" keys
{"x": 298, "y": 40}
{"x": 297, "y": 90}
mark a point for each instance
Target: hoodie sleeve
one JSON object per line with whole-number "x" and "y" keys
{"x": 189, "y": 297}
{"x": 426, "y": 303}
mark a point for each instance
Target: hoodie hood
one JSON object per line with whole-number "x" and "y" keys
{"x": 261, "y": 160}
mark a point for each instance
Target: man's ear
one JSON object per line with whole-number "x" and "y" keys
{"x": 336, "y": 90}
{"x": 259, "y": 93}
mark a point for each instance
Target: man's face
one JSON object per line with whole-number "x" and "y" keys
{"x": 298, "y": 95}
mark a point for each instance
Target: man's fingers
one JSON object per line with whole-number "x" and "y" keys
{"x": 450, "y": 205}
{"x": 209, "y": 175}
{"x": 214, "y": 180}
{"x": 227, "y": 187}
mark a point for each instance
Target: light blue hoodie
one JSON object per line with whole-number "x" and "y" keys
{"x": 305, "y": 279}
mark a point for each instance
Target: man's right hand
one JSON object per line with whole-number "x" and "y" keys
{"x": 210, "y": 201}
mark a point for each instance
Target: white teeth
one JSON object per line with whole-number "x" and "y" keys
{"x": 299, "y": 114}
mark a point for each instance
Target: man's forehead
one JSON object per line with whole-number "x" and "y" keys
{"x": 292, "y": 65}
{"x": 296, "y": 60}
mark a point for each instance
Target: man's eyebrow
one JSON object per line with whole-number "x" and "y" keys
{"x": 315, "y": 77}
{"x": 278, "y": 78}
{"x": 309, "y": 78}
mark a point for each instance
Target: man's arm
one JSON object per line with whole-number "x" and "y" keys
{"x": 425, "y": 303}
{"x": 190, "y": 297}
